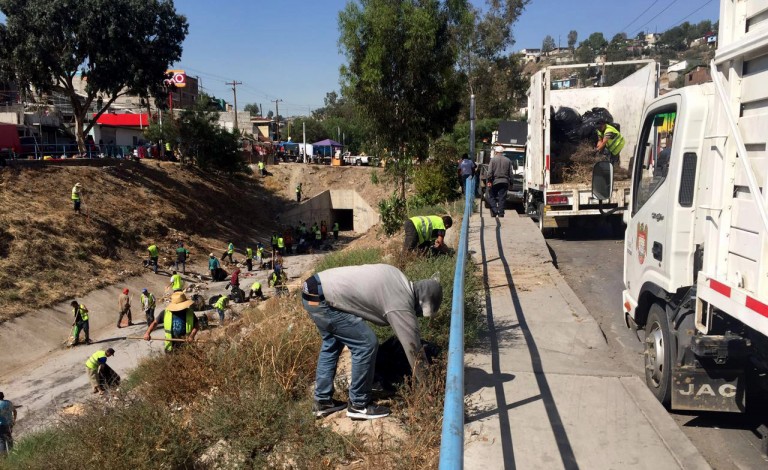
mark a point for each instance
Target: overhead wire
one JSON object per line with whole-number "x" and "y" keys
{"x": 654, "y": 17}
{"x": 638, "y": 16}
{"x": 689, "y": 14}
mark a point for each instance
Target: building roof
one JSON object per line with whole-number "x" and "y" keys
{"x": 123, "y": 120}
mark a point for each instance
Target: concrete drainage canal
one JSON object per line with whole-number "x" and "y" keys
{"x": 344, "y": 206}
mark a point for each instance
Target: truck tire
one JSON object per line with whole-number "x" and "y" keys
{"x": 658, "y": 354}
{"x": 358, "y": 162}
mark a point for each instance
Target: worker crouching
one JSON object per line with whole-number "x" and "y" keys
{"x": 95, "y": 366}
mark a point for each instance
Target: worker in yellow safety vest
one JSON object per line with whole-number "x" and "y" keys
{"x": 249, "y": 258}
{"x": 262, "y": 170}
{"x": 179, "y": 321}
{"x": 177, "y": 283}
{"x": 221, "y": 305}
{"x": 79, "y": 323}
{"x": 154, "y": 254}
{"x": 426, "y": 233}
{"x": 281, "y": 245}
{"x": 256, "y": 291}
{"x": 609, "y": 141}
{"x": 76, "y": 196}
{"x": 93, "y": 366}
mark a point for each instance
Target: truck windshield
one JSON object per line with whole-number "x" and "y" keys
{"x": 516, "y": 157}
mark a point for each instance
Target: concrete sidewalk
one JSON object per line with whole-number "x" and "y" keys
{"x": 542, "y": 392}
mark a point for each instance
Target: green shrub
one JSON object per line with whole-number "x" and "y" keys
{"x": 392, "y": 212}
{"x": 350, "y": 258}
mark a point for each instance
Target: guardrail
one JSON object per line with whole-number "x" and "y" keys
{"x": 452, "y": 439}
{"x": 56, "y": 151}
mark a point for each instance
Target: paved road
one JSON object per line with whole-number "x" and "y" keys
{"x": 592, "y": 265}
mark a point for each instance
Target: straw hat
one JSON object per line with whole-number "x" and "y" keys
{"x": 179, "y": 302}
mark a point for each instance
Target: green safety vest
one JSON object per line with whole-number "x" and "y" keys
{"x": 75, "y": 194}
{"x": 261, "y": 165}
{"x": 280, "y": 242}
{"x": 274, "y": 239}
{"x": 425, "y": 225}
{"x": 248, "y": 253}
{"x": 83, "y": 312}
{"x": 298, "y": 188}
{"x": 177, "y": 282}
{"x": 318, "y": 235}
{"x": 231, "y": 249}
{"x": 614, "y": 145}
{"x": 335, "y": 226}
{"x": 153, "y": 251}
{"x": 168, "y": 324}
{"x": 149, "y": 299}
{"x": 168, "y": 146}
{"x": 260, "y": 252}
{"x": 256, "y": 286}
{"x": 221, "y": 304}
{"x": 93, "y": 361}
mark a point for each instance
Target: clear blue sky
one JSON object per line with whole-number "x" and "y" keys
{"x": 288, "y": 49}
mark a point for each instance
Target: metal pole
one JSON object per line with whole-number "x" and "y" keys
{"x": 472, "y": 128}
{"x": 304, "y": 139}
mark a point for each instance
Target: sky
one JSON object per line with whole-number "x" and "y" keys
{"x": 288, "y": 49}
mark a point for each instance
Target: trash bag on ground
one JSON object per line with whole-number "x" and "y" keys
{"x": 392, "y": 366}
{"x": 564, "y": 122}
{"x": 108, "y": 377}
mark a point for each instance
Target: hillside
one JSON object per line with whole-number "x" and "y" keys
{"x": 49, "y": 254}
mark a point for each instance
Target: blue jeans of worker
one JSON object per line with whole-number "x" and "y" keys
{"x": 339, "y": 329}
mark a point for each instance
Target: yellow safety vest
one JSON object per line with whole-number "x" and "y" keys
{"x": 153, "y": 251}
{"x": 149, "y": 299}
{"x": 168, "y": 146}
{"x": 75, "y": 194}
{"x": 221, "y": 304}
{"x": 83, "y": 312}
{"x": 261, "y": 165}
{"x": 614, "y": 145}
{"x": 280, "y": 242}
{"x": 168, "y": 325}
{"x": 248, "y": 253}
{"x": 425, "y": 225}
{"x": 260, "y": 252}
{"x": 93, "y": 361}
{"x": 177, "y": 282}
{"x": 231, "y": 249}
{"x": 256, "y": 286}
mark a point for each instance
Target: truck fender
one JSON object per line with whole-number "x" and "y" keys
{"x": 649, "y": 294}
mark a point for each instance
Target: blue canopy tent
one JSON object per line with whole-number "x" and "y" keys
{"x": 326, "y": 147}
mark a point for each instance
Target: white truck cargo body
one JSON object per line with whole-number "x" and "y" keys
{"x": 696, "y": 246}
{"x": 554, "y": 204}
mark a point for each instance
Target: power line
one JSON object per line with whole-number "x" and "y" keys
{"x": 690, "y": 14}
{"x": 638, "y": 16}
{"x": 656, "y": 16}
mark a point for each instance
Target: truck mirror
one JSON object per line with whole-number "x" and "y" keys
{"x": 515, "y": 166}
{"x": 602, "y": 181}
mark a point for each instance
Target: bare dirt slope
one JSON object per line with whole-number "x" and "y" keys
{"x": 49, "y": 254}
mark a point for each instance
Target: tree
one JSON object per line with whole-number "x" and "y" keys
{"x": 597, "y": 42}
{"x": 119, "y": 47}
{"x": 409, "y": 95}
{"x": 208, "y": 144}
{"x": 573, "y": 37}
{"x": 270, "y": 114}
{"x": 548, "y": 45}
{"x": 252, "y": 108}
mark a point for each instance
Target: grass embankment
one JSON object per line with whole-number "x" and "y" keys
{"x": 245, "y": 400}
{"x": 49, "y": 254}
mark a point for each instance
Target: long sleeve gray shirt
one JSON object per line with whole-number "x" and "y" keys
{"x": 500, "y": 170}
{"x": 381, "y": 294}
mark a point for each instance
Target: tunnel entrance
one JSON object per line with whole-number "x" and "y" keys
{"x": 345, "y": 218}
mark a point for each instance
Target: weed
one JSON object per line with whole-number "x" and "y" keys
{"x": 350, "y": 258}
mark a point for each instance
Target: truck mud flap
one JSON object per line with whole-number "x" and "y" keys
{"x": 697, "y": 389}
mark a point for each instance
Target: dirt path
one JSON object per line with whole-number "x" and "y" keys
{"x": 44, "y": 377}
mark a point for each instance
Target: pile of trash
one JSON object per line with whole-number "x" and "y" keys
{"x": 573, "y": 141}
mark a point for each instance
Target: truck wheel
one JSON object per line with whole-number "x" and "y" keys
{"x": 359, "y": 163}
{"x": 658, "y": 354}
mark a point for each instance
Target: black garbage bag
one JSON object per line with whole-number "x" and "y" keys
{"x": 108, "y": 377}
{"x": 588, "y": 129}
{"x": 564, "y": 121}
{"x": 392, "y": 366}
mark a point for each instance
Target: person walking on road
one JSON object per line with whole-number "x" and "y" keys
{"x": 213, "y": 265}
{"x": 298, "y": 192}
{"x": 80, "y": 323}
{"x": 94, "y": 365}
{"x": 124, "y": 307}
{"x": 335, "y": 230}
{"x": 178, "y": 319}
{"x": 500, "y": 175}
{"x": 177, "y": 283}
{"x": 154, "y": 254}
{"x": 609, "y": 141}
{"x": 148, "y": 305}
{"x": 426, "y": 233}
{"x": 466, "y": 170}
{"x": 76, "y": 193}
{"x": 7, "y": 419}
{"x": 338, "y": 300}
{"x": 181, "y": 258}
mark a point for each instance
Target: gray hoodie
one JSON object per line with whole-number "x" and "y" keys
{"x": 381, "y": 294}
{"x": 500, "y": 169}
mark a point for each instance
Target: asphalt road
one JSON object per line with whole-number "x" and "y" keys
{"x": 591, "y": 262}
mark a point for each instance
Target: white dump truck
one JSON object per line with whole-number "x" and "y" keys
{"x": 696, "y": 244}
{"x": 555, "y": 204}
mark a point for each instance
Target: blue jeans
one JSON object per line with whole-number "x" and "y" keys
{"x": 339, "y": 329}
{"x": 183, "y": 266}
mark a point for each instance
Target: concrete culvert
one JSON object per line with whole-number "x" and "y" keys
{"x": 344, "y": 206}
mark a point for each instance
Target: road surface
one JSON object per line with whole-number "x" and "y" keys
{"x": 591, "y": 263}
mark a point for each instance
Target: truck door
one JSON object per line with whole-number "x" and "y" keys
{"x": 646, "y": 243}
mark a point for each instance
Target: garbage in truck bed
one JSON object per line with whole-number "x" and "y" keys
{"x": 573, "y": 142}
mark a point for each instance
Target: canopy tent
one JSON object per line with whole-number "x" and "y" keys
{"x": 326, "y": 147}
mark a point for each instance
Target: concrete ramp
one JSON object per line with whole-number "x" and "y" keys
{"x": 344, "y": 206}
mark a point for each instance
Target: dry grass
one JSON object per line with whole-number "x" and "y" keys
{"x": 573, "y": 163}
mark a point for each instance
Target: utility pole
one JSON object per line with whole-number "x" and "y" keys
{"x": 234, "y": 84}
{"x": 277, "y": 117}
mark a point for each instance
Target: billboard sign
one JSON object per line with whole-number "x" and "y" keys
{"x": 175, "y": 78}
